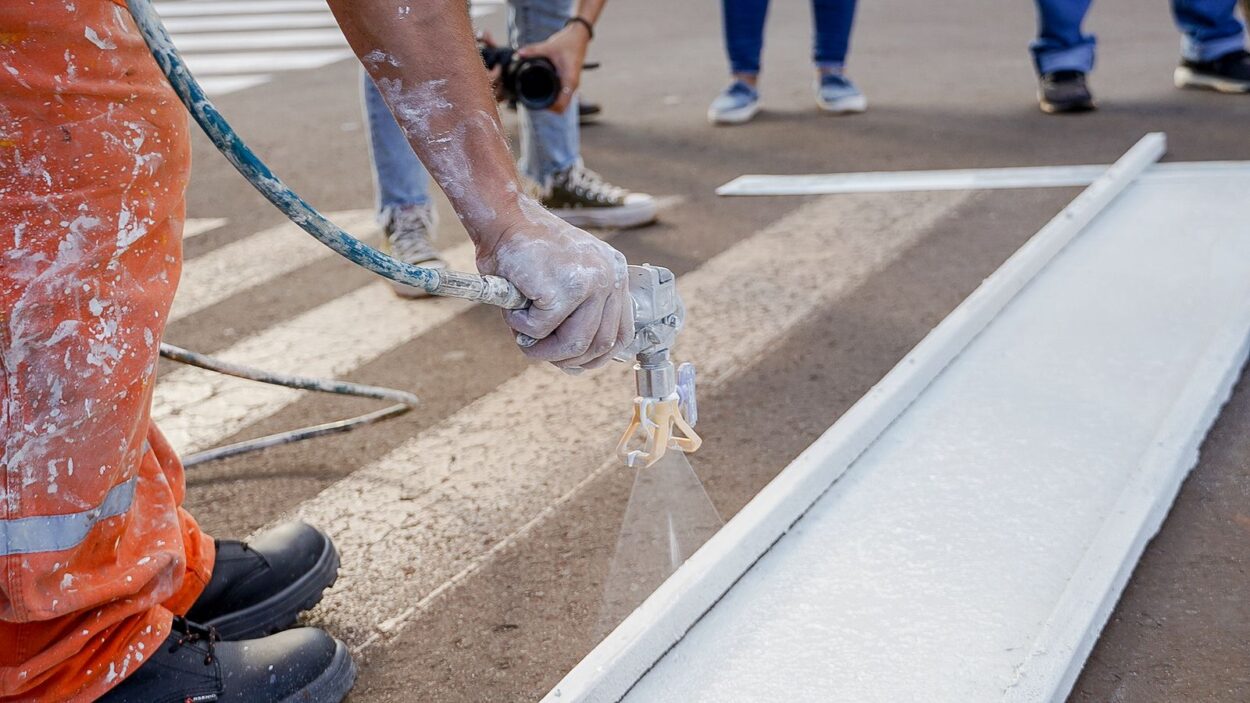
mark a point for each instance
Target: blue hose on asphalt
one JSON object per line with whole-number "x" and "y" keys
{"x": 491, "y": 290}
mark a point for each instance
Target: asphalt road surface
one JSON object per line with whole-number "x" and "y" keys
{"x": 478, "y": 529}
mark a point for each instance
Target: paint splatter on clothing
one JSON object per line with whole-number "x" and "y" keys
{"x": 95, "y": 553}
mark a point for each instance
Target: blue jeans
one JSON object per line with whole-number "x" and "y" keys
{"x": 1209, "y": 30}
{"x": 744, "y": 32}
{"x": 549, "y": 142}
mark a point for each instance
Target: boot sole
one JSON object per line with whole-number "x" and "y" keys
{"x": 1187, "y": 78}
{"x": 610, "y": 217}
{"x": 739, "y": 115}
{"x": 850, "y": 105}
{"x": 333, "y": 685}
{"x": 281, "y": 610}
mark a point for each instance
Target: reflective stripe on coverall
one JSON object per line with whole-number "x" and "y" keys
{"x": 95, "y": 552}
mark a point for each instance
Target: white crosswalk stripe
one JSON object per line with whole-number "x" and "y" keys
{"x": 233, "y": 45}
{"x": 255, "y": 261}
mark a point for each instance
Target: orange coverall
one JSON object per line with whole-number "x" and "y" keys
{"x": 96, "y": 553}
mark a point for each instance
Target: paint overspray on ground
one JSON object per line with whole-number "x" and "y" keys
{"x": 668, "y": 517}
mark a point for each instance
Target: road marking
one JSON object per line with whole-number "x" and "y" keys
{"x": 195, "y": 226}
{"x": 432, "y": 509}
{"x": 220, "y": 85}
{"x": 229, "y": 23}
{"x": 227, "y": 43}
{"x": 954, "y": 179}
{"x": 219, "y": 64}
{"x": 192, "y": 8}
{"x": 234, "y": 41}
{"x": 254, "y": 261}
{"x": 196, "y": 409}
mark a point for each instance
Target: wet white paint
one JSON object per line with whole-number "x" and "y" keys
{"x": 954, "y": 179}
{"x": 973, "y": 552}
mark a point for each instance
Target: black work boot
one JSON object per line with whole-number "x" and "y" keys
{"x": 260, "y": 587}
{"x": 1229, "y": 73}
{"x": 304, "y": 665}
{"x": 1064, "y": 91}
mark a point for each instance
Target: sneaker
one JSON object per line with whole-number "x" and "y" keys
{"x": 588, "y": 112}
{"x": 582, "y": 198}
{"x": 260, "y": 587}
{"x": 1064, "y": 91}
{"x": 737, "y": 104}
{"x": 837, "y": 94}
{"x": 1229, "y": 73}
{"x": 193, "y": 665}
{"x": 408, "y": 232}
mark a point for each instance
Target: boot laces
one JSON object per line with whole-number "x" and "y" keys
{"x": 194, "y": 633}
{"x": 408, "y": 232}
{"x": 590, "y": 184}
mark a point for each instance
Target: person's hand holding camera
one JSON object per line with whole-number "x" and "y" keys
{"x": 566, "y": 49}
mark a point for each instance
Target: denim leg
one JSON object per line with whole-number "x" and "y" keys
{"x": 743, "y": 21}
{"x": 1060, "y": 44}
{"x": 399, "y": 177}
{"x": 832, "y": 38}
{"x": 1209, "y": 28}
{"x": 550, "y": 142}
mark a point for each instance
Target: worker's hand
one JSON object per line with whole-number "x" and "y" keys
{"x": 566, "y": 49}
{"x": 581, "y": 312}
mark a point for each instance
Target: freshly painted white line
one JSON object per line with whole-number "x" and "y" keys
{"x": 224, "y": 85}
{"x": 196, "y": 226}
{"x": 435, "y": 507}
{"x": 235, "y": 41}
{"x": 230, "y": 23}
{"x": 633, "y": 648}
{"x": 196, "y": 8}
{"x": 956, "y": 179}
{"x": 196, "y": 409}
{"x": 249, "y": 62}
{"x": 255, "y": 261}
{"x": 974, "y": 551}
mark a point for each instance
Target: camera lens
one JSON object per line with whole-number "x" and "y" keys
{"x": 536, "y": 82}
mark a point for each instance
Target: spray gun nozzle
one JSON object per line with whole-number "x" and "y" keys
{"x": 666, "y": 398}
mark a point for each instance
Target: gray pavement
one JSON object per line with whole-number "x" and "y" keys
{"x": 949, "y": 86}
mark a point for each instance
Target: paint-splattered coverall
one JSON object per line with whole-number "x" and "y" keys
{"x": 95, "y": 552}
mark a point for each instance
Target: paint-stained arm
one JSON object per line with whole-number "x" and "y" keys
{"x": 422, "y": 56}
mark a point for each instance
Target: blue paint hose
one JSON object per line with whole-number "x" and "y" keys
{"x": 491, "y": 290}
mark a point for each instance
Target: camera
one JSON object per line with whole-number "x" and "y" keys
{"x": 531, "y": 81}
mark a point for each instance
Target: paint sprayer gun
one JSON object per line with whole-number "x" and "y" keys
{"x": 666, "y": 409}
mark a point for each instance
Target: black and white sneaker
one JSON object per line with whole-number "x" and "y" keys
{"x": 304, "y": 665}
{"x": 409, "y": 238}
{"x": 1229, "y": 73}
{"x": 582, "y": 198}
{"x": 261, "y": 586}
{"x": 1064, "y": 92}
